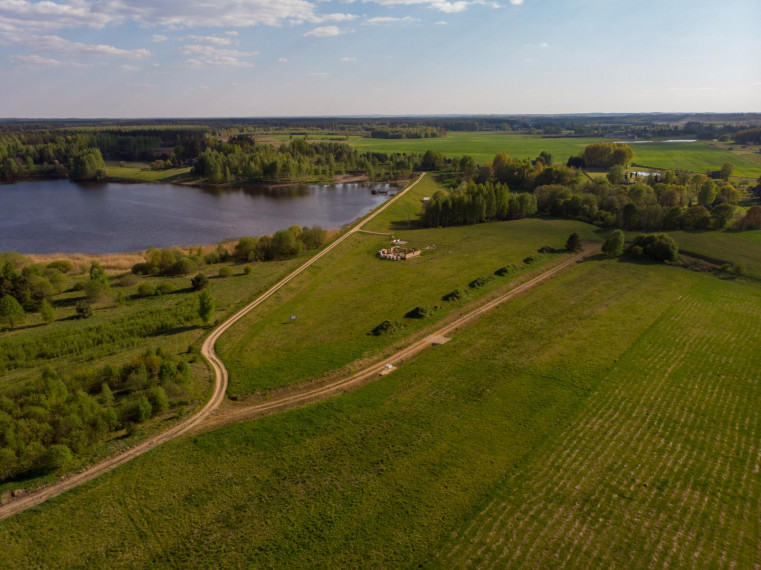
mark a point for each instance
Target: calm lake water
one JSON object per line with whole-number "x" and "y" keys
{"x": 59, "y": 216}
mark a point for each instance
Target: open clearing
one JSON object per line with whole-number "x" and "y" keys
{"x": 698, "y": 156}
{"x": 341, "y": 298}
{"x": 142, "y": 172}
{"x": 554, "y": 410}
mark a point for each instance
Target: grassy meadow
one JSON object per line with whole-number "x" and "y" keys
{"x": 698, "y": 156}
{"x": 141, "y": 172}
{"x": 615, "y": 396}
{"x": 341, "y": 298}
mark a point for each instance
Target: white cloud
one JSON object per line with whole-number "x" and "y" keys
{"x": 441, "y": 23}
{"x": 391, "y": 20}
{"x": 158, "y": 38}
{"x": 544, "y": 45}
{"x": 516, "y": 2}
{"x": 63, "y": 47}
{"x": 348, "y": 59}
{"x": 48, "y": 15}
{"x": 211, "y": 56}
{"x": 39, "y": 62}
{"x": 211, "y": 40}
{"x": 232, "y": 33}
{"x": 127, "y": 67}
{"x": 325, "y": 32}
{"x": 138, "y": 85}
{"x": 283, "y": 59}
{"x": 446, "y": 6}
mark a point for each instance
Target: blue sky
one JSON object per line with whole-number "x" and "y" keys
{"x": 156, "y": 58}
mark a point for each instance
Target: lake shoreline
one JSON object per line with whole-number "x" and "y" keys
{"x": 115, "y": 222}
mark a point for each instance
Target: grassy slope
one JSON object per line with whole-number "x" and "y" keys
{"x": 698, "y": 156}
{"x": 659, "y": 469}
{"x": 341, "y": 298}
{"x": 383, "y": 475}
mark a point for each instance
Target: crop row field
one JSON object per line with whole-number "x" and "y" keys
{"x": 607, "y": 417}
{"x": 695, "y": 156}
{"x": 659, "y": 468}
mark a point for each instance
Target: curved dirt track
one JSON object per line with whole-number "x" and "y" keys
{"x": 312, "y": 394}
{"x": 220, "y": 387}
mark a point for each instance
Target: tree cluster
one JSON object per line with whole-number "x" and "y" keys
{"x": 416, "y": 132}
{"x": 49, "y": 423}
{"x": 472, "y": 203}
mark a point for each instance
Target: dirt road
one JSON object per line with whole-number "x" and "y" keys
{"x": 42, "y": 494}
{"x": 311, "y": 394}
{"x": 204, "y": 420}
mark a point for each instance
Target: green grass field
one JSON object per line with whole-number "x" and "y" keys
{"x": 699, "y": 156}
{"x": 608, "y": 417}
{"x": 341, "y": 298}
{"x": 141, "y": 172}
{"x": 659, "y": 468}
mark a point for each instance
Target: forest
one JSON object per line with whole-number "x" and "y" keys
{"x": 507, "y": 188}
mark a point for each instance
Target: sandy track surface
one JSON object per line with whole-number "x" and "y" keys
{"x": 42, "y": 494}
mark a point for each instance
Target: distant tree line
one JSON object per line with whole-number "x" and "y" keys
{"x": 298, "y": 161}
{"x": 416, "y": 132}
{"x": 505, "y": 188}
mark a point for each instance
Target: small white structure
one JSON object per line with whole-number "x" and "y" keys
{"x": 388, "y": 369}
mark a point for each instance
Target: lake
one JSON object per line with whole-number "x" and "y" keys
{"x": 59, "y": 216}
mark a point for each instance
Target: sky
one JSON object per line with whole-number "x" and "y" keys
{"x": 257, "y": 58}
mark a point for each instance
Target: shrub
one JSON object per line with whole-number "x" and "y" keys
{"x": 183, "y": 266}
{"x": 199, "y": 282}
{"x": 529, "y": 260}
{"x": 128, "y": 280}
{"x": 455, "y": 295}
{"x": 546, "y": 249}
{"x": 57, "y": 457}
{"x": 573, "y": 243}
{"x": 166, "y": 288}
{"x": 248, "y": 269}
{"x": 226, "y": 271}
{"x": 61, "y": 265}
{"x": 387, "y": 328}
{"x": 659, "y": 247}
{"x": 83, "y": 310}
{"x": 614, "y": 245}
{"x": 94, "y": 290}
{"x": 146, "y": 290}
{"x": 421, "y": 312}
{"x": 479, "y": 282}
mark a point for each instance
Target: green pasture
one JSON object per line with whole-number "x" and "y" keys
{"x": 342, "y": 297}
{"x": 594, "y": 419}
{"x": 141, "y": 172}
{"x": 698, "y": 156}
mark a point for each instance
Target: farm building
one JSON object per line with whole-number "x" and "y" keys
{"x": 398, "y": 253}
